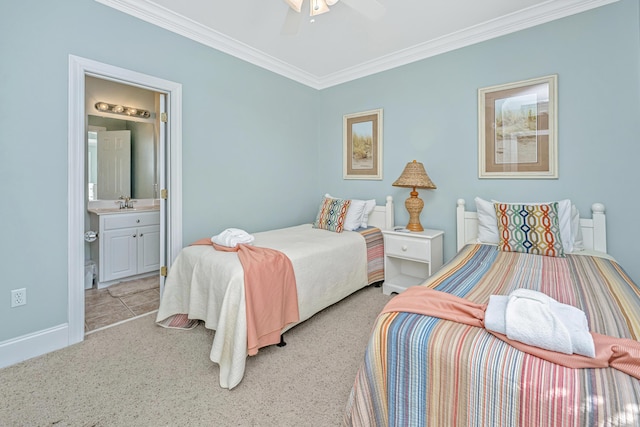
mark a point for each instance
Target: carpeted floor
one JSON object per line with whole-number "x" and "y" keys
{"x": 139, "y": 374}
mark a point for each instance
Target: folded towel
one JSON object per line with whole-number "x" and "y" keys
{"x": 494, "y": 315}
{"x": 536, "y": 319}
{"x": 231, "y": 237}
{"x": 530, "y": 319}
{"x": 576, "y": 322}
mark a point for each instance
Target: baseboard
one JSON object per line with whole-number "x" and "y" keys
{"x": 35, "y": 344}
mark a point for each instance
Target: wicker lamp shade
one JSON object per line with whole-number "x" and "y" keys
{"x": 414, "y": 176}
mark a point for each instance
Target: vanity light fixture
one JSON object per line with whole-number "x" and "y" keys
{"x": 121, "y": 109}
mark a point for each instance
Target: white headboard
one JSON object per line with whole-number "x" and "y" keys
{"x": 594, "y": 229}
{"x": 382, "y": 216}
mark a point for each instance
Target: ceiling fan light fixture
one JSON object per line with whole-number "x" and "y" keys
{"x": 317, "y": 7}
{"x": 331, "y": 2}
{"x": 295, "y": 4}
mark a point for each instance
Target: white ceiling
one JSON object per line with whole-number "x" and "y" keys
{"x": 348, "y": 42}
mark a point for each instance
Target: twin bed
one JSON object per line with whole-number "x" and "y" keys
{"x": 208, "y": 285}
{"x": 423, "y": 370}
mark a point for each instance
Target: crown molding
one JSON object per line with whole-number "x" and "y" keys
{"x": 536, "y": 15}
{"x": 526, "y": 18}
{"x": 169, "y": 20}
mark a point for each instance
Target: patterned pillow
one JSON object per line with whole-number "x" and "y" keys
{"x": 331, "y": 215}
{"x": 531, "y": 229}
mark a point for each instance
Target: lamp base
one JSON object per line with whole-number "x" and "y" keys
{"x": 414, "y": 205}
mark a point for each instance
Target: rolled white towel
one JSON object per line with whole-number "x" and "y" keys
{"x": 576, "y": 322}
{"x": 231, "y": 237}
{"x": 529, "y": 319}
{"x": 536, "y": 319}
{"x": 494, "y": 314}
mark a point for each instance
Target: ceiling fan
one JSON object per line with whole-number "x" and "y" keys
{"x": 371, "y": 9}
{"x": 316, "y": 7}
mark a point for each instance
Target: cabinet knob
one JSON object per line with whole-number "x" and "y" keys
{"x": 404, "y": 248}
{"x": 141, "y": 234}
{"x": 138, "y": 221}
{"x": 135, "y": 235}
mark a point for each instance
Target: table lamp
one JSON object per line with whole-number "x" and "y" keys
{"x": 414, "y": 176}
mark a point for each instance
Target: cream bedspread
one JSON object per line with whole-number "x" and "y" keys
{"x": 209, "y": 285}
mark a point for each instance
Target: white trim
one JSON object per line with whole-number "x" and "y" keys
{"x": 535, "y": 15}
{"x": 169, "y": 20}
{"x": 32, "y": 345}
{"x": 78, "y": 69}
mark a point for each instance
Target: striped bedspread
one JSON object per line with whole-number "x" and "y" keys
{"x": 419, "y": 370}
{"x": 375, "y": 253}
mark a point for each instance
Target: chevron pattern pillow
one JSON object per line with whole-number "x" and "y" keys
{"x": 331, "y": 215}
{"x": 531, "y": 229}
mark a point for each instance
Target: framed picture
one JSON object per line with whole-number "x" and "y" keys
{"x": 362, "y": 145}
{"x": 517, "y": 130}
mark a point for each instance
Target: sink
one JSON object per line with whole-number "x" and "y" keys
{"x": 124, "y": 210}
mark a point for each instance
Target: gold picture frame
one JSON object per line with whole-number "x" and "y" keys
{"x": 518, "y": 130}
{"x": 362, "y": 145}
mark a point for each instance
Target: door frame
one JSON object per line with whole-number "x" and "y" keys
{"x": 79, "y": 68}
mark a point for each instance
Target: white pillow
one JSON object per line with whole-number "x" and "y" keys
{"x": 564, "y": 221}
{"x": 368, "y": 208}
{"x": 354, "y": 215}
{"x": 576, "y": 231}
{"x": 487, "y": 222}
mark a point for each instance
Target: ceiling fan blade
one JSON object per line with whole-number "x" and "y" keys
{"x": 291, "y": 24}
{"x": 371, "y": 9}
{"x": 295, "y": 4}
{"x": 331, "y": 2}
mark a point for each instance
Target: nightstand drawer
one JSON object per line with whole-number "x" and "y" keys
{"x": 418, "y": 249}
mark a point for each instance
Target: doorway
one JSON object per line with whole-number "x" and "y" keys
{"x": 170, "y": 176}
{"x": 123, "y": 145}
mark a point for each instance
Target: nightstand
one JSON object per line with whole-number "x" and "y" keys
{"x": 410, "y": 258}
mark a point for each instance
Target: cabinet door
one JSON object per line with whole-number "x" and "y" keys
{"x": 118, "y": 257}
{"x": 148, "y": 248}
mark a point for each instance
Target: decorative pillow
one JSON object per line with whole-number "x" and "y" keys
{"x": 532, "y": 229}
{"x": 331, "y": 215}
{"x": 487, "y": 222}
{"x": 358, "y": 213}
{"x": 354, "y": 214}
{"x": 564, "y": 220}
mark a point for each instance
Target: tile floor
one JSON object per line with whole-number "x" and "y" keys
{"x": 101, "y": 309}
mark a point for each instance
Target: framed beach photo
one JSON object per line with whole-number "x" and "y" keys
{"x": 362, "y": 145}
{"x": 517, "y": 130}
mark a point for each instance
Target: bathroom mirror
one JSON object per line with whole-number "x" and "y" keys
{"x": 121, "y": 159}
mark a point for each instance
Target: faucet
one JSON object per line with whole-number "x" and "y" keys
{"x": 126, "y": 202}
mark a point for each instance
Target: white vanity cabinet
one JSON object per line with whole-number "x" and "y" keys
{"x": 128, "y": 245}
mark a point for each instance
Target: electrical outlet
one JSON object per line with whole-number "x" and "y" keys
{"x": 18, "y": 297}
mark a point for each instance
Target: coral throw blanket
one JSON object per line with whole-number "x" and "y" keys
{"x": 619, "y": 353}
{"x": 270, "y": 291}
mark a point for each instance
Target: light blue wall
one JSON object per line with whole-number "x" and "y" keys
{"x": 259, "y": 150}
{"x": 248, "y": 140}
{"x": 430, "y": 114}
